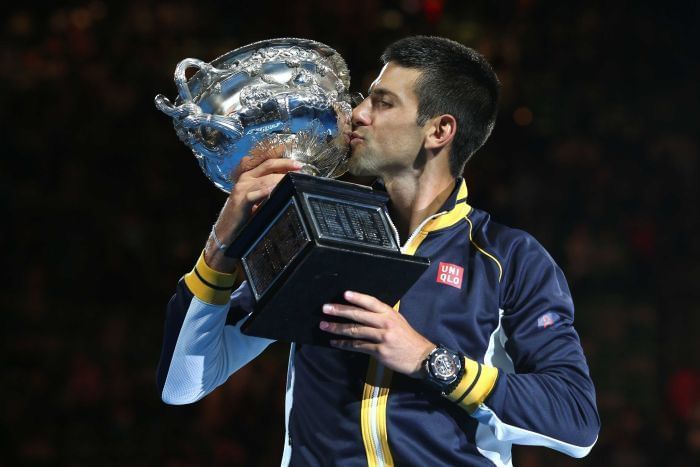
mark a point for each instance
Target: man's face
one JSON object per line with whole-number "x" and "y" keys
{"x": 386, "y": 139}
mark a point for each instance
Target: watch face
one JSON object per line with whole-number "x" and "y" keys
{"x": 444, "y": 366}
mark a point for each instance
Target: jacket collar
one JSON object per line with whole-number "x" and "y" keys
{"x": 458, "y": 195}
{"x": 454, "y": 209}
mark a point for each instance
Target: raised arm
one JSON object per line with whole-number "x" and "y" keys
{"x": 203, "y": 344}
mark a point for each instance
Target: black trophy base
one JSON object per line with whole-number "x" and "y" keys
{"x": 293, "y": 312}
{"x": 313, "y": 239}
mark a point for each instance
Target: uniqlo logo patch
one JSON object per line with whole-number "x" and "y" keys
{"x": 450, "y": 274}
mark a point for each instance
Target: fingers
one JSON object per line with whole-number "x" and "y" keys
{"x": 255, "y": 197}
{"x": 257, "y": 156}
{"x": 367, "y": 302}
{"x": 265, "y": 183}
{"x": 353, "y": 313}
{"x": 355, "y": 345}
{"x": 242, "y": 168}
{"x": 264, "y": 151}
{"x": 280, "y": 166}
{"x": 353, "y": 330}
{"x": 253, "y": 190}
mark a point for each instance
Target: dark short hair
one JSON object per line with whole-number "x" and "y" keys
{"x": 454, "y": 80}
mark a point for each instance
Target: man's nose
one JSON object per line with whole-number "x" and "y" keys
{"x": 360, "y": 114}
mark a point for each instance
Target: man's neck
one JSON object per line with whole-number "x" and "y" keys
{"x": 415, "y": 198}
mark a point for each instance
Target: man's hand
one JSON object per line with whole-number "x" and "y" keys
{"x": 254, "y": 179}
{"x": 259, "y": 154}
{"x": 380, "y": 331}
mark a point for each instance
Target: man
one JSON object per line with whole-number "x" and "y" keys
{"x": 479, "y": 354}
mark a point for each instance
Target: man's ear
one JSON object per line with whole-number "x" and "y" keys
{"x": 440, "y": 131}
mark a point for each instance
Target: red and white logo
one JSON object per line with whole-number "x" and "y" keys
{"x": 450, "y": 274}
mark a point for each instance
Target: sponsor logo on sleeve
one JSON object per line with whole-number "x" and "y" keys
{"x": 547, "y": 320}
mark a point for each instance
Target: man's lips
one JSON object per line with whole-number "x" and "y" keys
{"x": 355, "y": 138}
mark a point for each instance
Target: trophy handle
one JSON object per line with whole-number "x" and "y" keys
{"x": 187, "y": 107}
{"x": 200, "y": 128}
{"x": 181, "y": 79}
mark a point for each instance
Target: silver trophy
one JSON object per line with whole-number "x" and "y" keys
{"x": 285, "y": 91}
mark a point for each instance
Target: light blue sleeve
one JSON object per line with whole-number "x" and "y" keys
{"x": 207, "y": 350}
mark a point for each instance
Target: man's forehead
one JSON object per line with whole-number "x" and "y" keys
{"x": 393, "y": 79}
{"x": 378, "y": 79}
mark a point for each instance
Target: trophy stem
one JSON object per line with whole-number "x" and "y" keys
{"x": 309, "y": 169}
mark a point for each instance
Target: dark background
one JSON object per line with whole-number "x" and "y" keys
{"x": 595, "y": 153}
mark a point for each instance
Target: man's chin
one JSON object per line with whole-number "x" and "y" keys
{"x": 358, "y": 165}
{"x": 359, "y": 170}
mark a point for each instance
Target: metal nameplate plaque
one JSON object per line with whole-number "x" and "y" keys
{"x": 348, "y": 221}
{"x": 275, "y": 249}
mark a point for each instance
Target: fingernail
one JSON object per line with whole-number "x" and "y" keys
{"x": 349, "y": 294}
{"x": 327, "y": 308}
{"x": 298, "y": 165}
{"x": 323, "y": 325}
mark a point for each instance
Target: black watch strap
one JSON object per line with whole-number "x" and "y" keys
{"x": 452, "y": 386}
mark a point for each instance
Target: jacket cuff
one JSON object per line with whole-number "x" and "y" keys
{"x": 477, "y": 383}
{"x": 208, "y": 285}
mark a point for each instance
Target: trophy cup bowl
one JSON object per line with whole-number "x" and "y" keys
{"x": 314, "y": 237}
{"x": 285, "y": 91}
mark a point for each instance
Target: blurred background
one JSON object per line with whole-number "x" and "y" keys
{"x": 595, "y": 152}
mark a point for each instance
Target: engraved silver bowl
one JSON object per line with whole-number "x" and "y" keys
{"x": 285, "y": 91}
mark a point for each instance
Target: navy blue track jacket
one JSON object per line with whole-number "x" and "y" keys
{"x": 491, "y": 292}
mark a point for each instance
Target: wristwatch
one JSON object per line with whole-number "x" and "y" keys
{"x": 444, "y": 369}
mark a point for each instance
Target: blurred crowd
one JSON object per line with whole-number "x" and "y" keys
{"x": 595, "y": 152}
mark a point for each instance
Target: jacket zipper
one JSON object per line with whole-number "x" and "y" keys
{"x": 375, "y": 430}
{"x": 418, "y": 230}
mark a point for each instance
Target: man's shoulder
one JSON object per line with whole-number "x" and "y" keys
{"x": 506, "y": 242}
{"x": 527, "y": 267}
{"x": 483, "y": 225}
